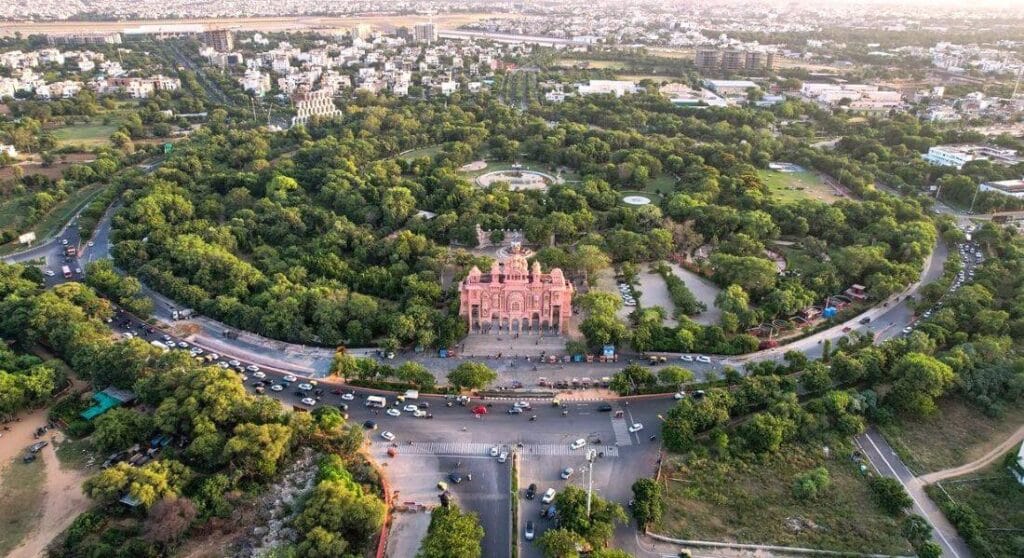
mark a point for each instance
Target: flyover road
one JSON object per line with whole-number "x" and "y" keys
{"x": 888, "y": 464}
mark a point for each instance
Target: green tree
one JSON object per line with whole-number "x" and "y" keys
{"x": 256, "y": 450}
{"x": 647, "y": 502}
{"x": 810, "y": 485}
{"x": 471, "y": 375}
{"x": 890, "y": 495}
{"x": 560, "y": 543}
{"x": 342, "y": 509}
{"x": 119, "y": 428}
{"x": 452, "y": 534}
{"x": 918, "y": 380}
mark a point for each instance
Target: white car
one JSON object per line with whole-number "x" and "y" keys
{"x": 223, "y": 365}
{"x": 908, "y": 329}
{"x": 289, "y": 378}
{"x": 704, "y": 359}
{"x": 392, "y": 412}
{"x": 90, "y": 244}
{"x": 410, "y": 408}
{"x": 502, "y": 457}
{"x": 252, "y": 368}
{"x": 495, "y": 451}
{"x": 521, "y": 404}
{"x": 549, "y": 496}
{"x": 679, "y": 395}
{"x": 418, "y": 413}
{"x": 637, "y": 427}
{"x": 577, "y": 444}
{"x": 197, "y": 351}
{"x": 387, "y": 436}
{"x": 182, "y": 345}
{"x": 49, "y": 273}
{"x": 305, "y": 387}
{"x": 348, "y": 396}
{"x": 277, "y": 387}
{"x": 258, "y": 375}
{"x": 308, "y": 401}
{"x": 686, "y": 358}
{"x": 234, "y": 363}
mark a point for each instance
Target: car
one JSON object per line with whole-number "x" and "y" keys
{"x": 704, "y": 359}
{"x": 865, "y": 320}
{"x": 223, "y": 365}
{"x": 637, "y": 427}
{"x": 424, "y": 405}
{"x": 686, "y": 358}
{"x": 549, "y": 496}
{"x": 196, "y": 351}
{"x": 419, "y": 413}
{"x": 309, "y": 401}
{"x": 699, "y": 394}
{"x": 502, "y": 457}
{"x": 49, "y": 273}
{"x": 301, "y": 394}
{"x": 531, "y": 491}
{"x": 305, "y": 387}
{"x": 387, "y": 436}
{"x": 577, "y": 444}
{"x": 455, "y": 477}
{"x": 343, "y": 406}
{"x": 522, "y": 404}
{"x": 495, "y": 451}
{"x": 908, "y": 329}
{"x": 410, "y": 408}
{"x": 258, "y": 374}
{"x": 236, "y": 363}
{"x": 287, "y": 378}
{"x": 393, "y": 412}
{"x": 604, "y": 408}
{"x": 277, "y": 387}
{"x": 529, "y": 533}
{"x": 252, "y": 368}
{"x": 370, "y": 425}
{"x": 566, "y": 473}
{"x": 515, "y": 411}
{"x": 182, "y": 345}
{"x": 78, "y": 270}
{"x": 29, "y": 458}
{"x": 34, "y": 448}
{"x": 90, "y": 244}
{"x": 348, "y": 396}
{"x": 679, "y": 395}
{"x": 64, "y": 241}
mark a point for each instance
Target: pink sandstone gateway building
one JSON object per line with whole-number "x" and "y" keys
{"x": 514, "y": 299}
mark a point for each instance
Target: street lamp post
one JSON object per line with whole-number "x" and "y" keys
{"x": 591, "y": 454}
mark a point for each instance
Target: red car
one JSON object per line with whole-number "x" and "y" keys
{"x": 480, "y": 410}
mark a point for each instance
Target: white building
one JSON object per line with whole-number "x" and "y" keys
{"x": 606, "y": 86}
{"x": 256, "y": 82}
{"x": 959, "y": 155}
{"x": 1012, "y": 188}
{"x": 8, "y": 150}
{"x": 319, "y": 103}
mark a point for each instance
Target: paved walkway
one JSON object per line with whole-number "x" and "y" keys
{"x": 888, "y": 464}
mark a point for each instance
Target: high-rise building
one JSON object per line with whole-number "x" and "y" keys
{"x": 220, "y": 40}
{"x": 425, "y": 33}
{"x": 707, "y": 59}
{"x": 733, "y": 60}
{"x": 362, "y": 31}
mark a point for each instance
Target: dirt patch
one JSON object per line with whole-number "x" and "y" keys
{"x": 63, "y": 502}
{"x": 474, "y": 166}
{"x": 407, "y": 531}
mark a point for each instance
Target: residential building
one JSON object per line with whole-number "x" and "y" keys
{"x": 425, "y": 33}
{"x": 310, "y": 104}
{"x": 220, "y": 40}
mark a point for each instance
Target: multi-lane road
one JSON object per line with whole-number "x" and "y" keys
{"x": 453, "y": 440}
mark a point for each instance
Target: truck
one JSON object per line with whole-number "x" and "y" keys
{"x": 376, "y": 402}
{"x": 66, "y": 271}
{"x": 160, "y": 345}
{"x": 412, "y": 394}
{"x": 183, "y": 314}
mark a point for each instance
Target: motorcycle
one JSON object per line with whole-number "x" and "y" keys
{"x": 533, "y": 418}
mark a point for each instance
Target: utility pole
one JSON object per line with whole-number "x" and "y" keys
{"x": 590, "y": 477}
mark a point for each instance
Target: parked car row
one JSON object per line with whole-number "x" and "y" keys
{"x": 626, "y": 292}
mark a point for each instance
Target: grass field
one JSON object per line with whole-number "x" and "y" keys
{"x": 87, "y": 135}
{"x": 795, "y": 186}
{"x": 998, "y": 501}
{"x": 21, "y": 501}
{"x": 75, "y": 454}
{"x": 663, "y": 184}
{"x": 728, "y": 500}
{"x": 421, "y": 152}
{"x": 957, "y": 433}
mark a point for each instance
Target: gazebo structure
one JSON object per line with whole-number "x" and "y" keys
{"x": 515, "y": 298}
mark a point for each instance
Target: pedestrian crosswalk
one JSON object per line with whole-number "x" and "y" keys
{"x": 622, "y": 437}
{"x": 481, "y": 449}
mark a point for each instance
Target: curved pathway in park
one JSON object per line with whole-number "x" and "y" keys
{"x": 997, "y": 452}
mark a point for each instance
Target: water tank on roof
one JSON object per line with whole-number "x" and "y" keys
{"x": 829, "y": 312}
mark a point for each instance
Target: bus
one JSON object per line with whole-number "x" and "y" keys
{"x": 67, "y": 271}
{"x": 163, "y": 347}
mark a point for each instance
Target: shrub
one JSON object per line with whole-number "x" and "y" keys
{"x": 811, "y": 484}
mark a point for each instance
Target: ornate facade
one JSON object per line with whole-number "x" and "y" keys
{"x": 514, "y": 298}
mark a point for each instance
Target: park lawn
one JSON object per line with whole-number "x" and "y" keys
{"x": 957, "y": 433}
{"x": 21, "y": 501}
{"x": 717, "y": 499}
{"x": 429, "y": 151}
{"x": 796, "y": 186}
{"x": 998, "y": 501}
{"x": 89, "y": 135}
{"x": 664, "y": 184}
